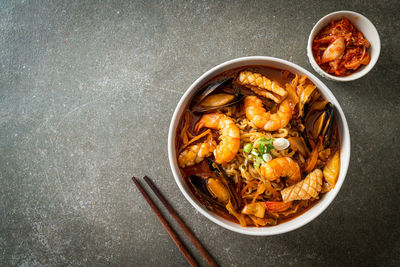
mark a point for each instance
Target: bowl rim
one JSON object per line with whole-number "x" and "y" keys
{"x": 263, "y": 231}
{"x": 356, "y": 75}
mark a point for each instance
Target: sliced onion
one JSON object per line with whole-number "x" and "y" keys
{"x": 281, "y": 143}
{"x": 267, "y": 157}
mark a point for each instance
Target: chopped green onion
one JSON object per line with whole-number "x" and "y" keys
{"x": 247, "y": 148}
{"x": 258, "y": 162}
{"x": 262, "y": 149}
{"x": 255, "y": 152}
{"x": 264, "y": 145}
{"x": 259, "y": 141}
{"x": 263, "y": 141}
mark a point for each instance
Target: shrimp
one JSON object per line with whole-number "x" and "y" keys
{"x": 305, "y": 189}
{"x": 196, "y": 153}
{"x": 262, "y": 119}
{"x": 281, "y": 167}
{"x": 261, "y": 85}
{"x": 227, "y": 149}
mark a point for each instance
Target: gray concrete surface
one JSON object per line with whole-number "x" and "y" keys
{"x": 87, "y": 90}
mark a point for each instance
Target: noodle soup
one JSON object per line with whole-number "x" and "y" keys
{"x": 258, "y": 146}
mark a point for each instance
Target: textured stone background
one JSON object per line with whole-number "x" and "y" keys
{"x": 87, "y": 90}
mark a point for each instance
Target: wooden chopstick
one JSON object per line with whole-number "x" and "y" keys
{"x": 185, "y": 229}
{"x": 167, "y": 227}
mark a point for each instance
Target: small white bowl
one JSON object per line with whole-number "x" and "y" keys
{"x": 299, "y": 220}
{"x": 362, "y": 24}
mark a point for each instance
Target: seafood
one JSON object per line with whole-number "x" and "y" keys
{"x": 305, "y": 97}
{"x": 331, "y": 170}
{"x": 203, "y": 93}
{"x": 229, "y": 145}
{"x": 281, "y": 167}
{"x": 195, "y": 153}
{"x": 214, "y": 167}
{"x": 208, "y": 100}
{"x": 212, "y": 199}
{"x": 305, "y": 189}
{"x": 216, "y": 192}
{"x": 262, "y": 86}
{"x": 257, "y": 114}
{"x": 322, "y": 127}
{"x": 216, "y": 101}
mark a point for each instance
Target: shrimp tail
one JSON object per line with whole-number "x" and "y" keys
{"x": 209, "y": 121}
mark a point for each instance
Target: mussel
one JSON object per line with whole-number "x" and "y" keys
{"x": 305, "y": 98}
{"x": 319, "y": 124}
{"x": 211, "y": 191}
{"x": 207, "y": 100}
{"x": 215, "y": 192}
{"x": 226, "y": 180}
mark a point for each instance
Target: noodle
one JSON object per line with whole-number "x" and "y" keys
{"x": 283, "y": 132}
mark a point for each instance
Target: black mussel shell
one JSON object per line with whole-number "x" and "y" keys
{"x": 203, "y": 93}
{"x": 214, "y": 167}
{"x": 199, "y": 108}
{"x": 305, "y": 98}
{"x": 306, "y": 140}
{"x": 321, "y": 127}
{"x": 327, "y": 130}
{"x": 199, "y": 185}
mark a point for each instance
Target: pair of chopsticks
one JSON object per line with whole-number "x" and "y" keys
{"x": 169, "y": 229}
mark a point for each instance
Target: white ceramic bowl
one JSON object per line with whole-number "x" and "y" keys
{"x": 298, "y": 221}
{"x": 362, "y": 24}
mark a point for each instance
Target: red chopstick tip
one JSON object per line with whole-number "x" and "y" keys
{"x": 181, "y": 223}
{"x": 135, "y": 181}
{"x": 164, "y": 222}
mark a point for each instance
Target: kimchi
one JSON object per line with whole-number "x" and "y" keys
{"x": 340, "y": 48}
